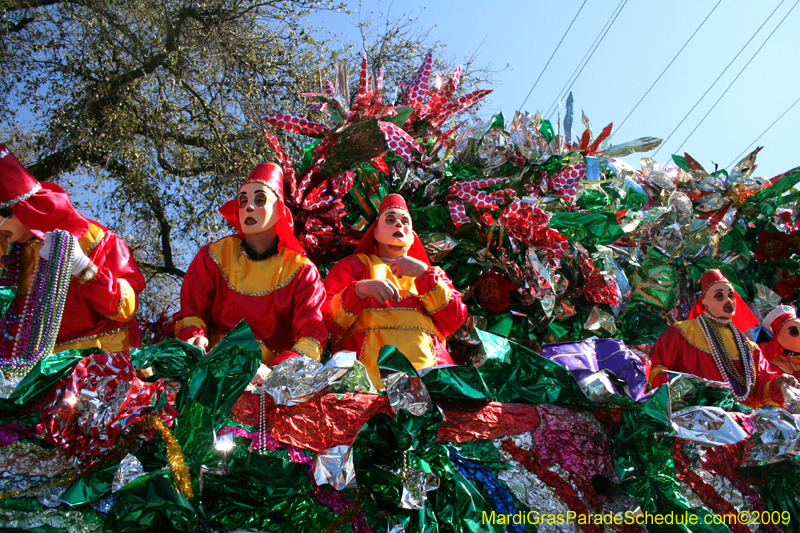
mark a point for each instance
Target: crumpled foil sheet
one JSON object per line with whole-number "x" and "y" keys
{"x": 105, "y": 504}
{"x": 494, "y": 149}
{"x": 97, "y": 412}
{"x": 438, "y": 245}
{"x": 600, "y": 319}
{"x": 334, "y": 467}
{"x": 766, "y": 300}
{"x": 28, "y": 459}
{"x": 777, "y": 436}
{"x": 49, "y": 497}
{"x": 298, "y": 379}
{"x": 7, "y": 385}
{"x": 416, "y": 485}
{"x": 71, "y": 521}
{"x": 712, "y": 426}
{"x": 406, "y": 392}
{"x": 532, "y": 492}
{"x": 129, "y": 469}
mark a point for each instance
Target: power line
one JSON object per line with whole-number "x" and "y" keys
{"x": 715, "y": 81}
{"x": 737, "y": 76}
{"x": 665, "y": 69}
{"x": 553, "y": 54}
{"x": 591, "y": 49}
{"x": 738, "y": 157}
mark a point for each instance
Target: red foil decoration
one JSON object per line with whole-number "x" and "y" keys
{"x": 491, "y": 421}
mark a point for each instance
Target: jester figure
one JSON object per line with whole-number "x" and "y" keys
{"x": 711, "y": 344}
{"x": 260, "y": 275}
{"x": 783, "y": 350}
{"x": 38, "y": 226}
{"x": 389, "y": 294}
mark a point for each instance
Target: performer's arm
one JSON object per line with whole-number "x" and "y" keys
{"x": 197, "y": 295}
{"x": 665, "y": 355}
{"x": 115, "y": 285}
{"x": 342, "y": 303}
{"x": 766, "y": 390}
{"x": 441, "y": 300}
{"x": 310, "y": 334}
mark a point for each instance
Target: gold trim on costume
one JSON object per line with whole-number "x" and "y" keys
{"x": 93, "y": 236}
{"x": 127, "y": 303}
{"x": 308, "y": 346}
{"x": 190, "y": 321}
{"x": 116, "y": 340}
{"x": 242, "y": 274}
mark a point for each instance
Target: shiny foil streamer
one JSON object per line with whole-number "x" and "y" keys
{"x": 334, "y": 467}
{"x": 499, "y": 495}
{"x": 27, "y": 459}
{"x": 765, "y": 299}
{"x": 15, "y": 431}
{"x": 776, "y": 436}
{"x": 707, "y": 425}
{"x": 129, "y": 469}
{"x": 71, "y": 521}
{"x": 406, "y": 392}
{"x": 48, "y": 496}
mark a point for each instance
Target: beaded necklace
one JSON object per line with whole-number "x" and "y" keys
{"x": 40, "y": 320}
{"x": 741, "y": 386}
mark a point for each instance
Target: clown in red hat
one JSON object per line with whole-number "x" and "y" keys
{"x": 783, "y": 350}
{"x": 101, "y": 296}
{"x": 259, "y": 275}
{"x": 389, "y": 294}
{"x": 710, "y": 344}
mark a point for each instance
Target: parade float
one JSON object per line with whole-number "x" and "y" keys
{"x": 572, "y": 263}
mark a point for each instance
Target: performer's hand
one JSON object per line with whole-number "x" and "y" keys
{"x": 381, "y": 289}
{"x": 790, "y": 388}
{"x": 261, "y": 374}
{"x": 408, "y": 266}
{"x": 199, "y": 341}
{"x": 79, "y": 259}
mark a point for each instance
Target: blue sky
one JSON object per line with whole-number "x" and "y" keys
{"x": 645, "y": 37}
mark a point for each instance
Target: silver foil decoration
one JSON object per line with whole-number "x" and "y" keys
{"x": 71, "y": 521}
{"x": 406, "y": 392}
{"x": 598, "y": 319}
{"x": 334, "y": 467}
{"x": 105, "y": 503}
{"x": 7, "y": 385}
{"x": 766, "y": 300}
{"x": 129, "y": 469}
{"x": 776, "y": 434}
{"x": 48, "y": 497}
{"x": 494, "y": 150}
{"x": 438, "y": 245}
{"x": 296, "y": 380}
{"x": 416, "y": 484}
{"x": 707, "y": 425}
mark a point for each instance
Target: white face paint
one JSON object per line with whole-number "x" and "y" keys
{"x": 394, "y": 228}
{"x": 257, "y": 211}
{"x": 720, "y": 300}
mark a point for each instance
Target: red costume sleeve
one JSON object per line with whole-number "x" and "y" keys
{"x": 308, "y": 297}
{"x": 665, "y": 355}
{"x": 766, "y": 390}
{"x": 441, "y": 300}
{"x": 342, "y": 304}
{"x": 114, "y": 290}
{"x": 197, "y": 295}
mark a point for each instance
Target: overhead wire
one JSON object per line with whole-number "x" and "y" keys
{"x": 521, "y": 108}
{"x": 738, "y": 157}
{"x": 589, "y": 52}
{"x": 737, "y": 76}
{"x": 666, "y": 68}
{"x": 716, "y": 80}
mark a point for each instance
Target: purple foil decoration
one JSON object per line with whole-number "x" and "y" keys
{"x": 15, "y": 431}
{"x": 606, "y": 361}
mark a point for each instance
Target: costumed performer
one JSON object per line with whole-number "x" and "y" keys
{"x": 783, "y": 350}
{"x": 101, "y": 298}
{"x": 710, "y": 344}
{"x": 389, "y": 294}
{"x": 259, "y": 275}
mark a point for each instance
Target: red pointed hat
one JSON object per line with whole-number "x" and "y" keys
{"x": 40, "y": 206}
{"x": 270, "y": 175}
{"x": 367, "y": 244}
{"x": 744, "y": 318}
